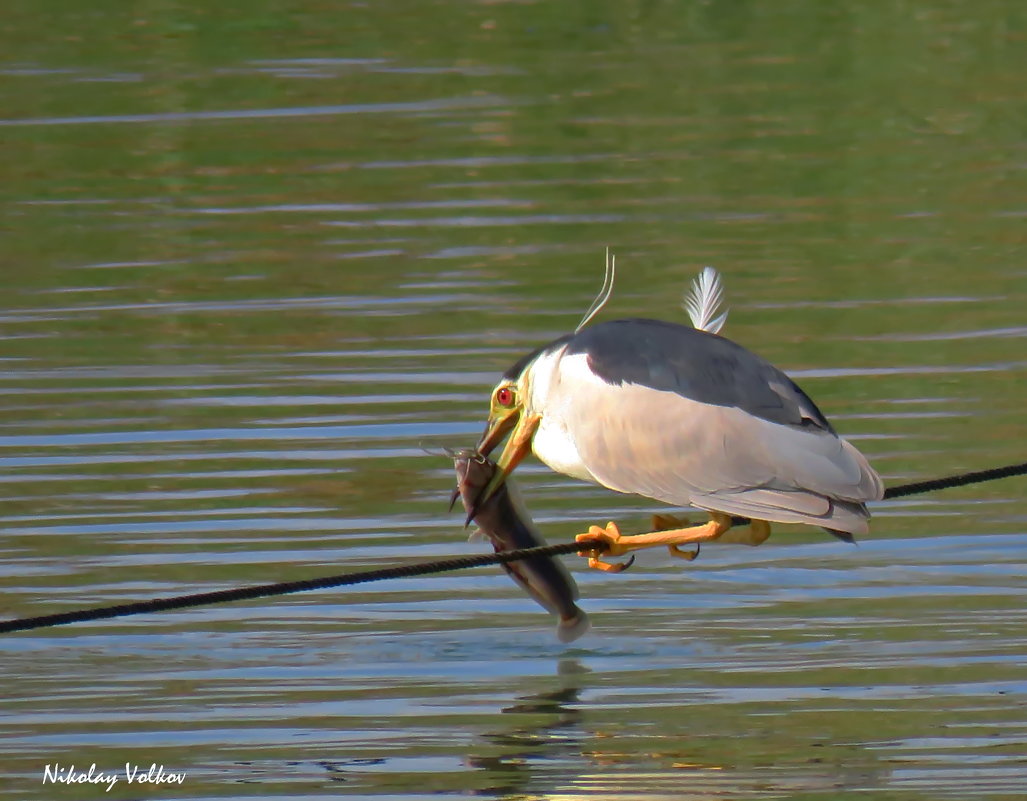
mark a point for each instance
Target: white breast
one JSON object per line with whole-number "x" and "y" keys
{"x": 553, "y": 442}
{"x": 554, "y": 446}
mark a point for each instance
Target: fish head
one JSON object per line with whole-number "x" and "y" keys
{"x": 473, "y": 474}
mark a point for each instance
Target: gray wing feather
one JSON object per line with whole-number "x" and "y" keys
{"x": 696, "y": 365}
{"x": 789, "y": 507}
{"x": 663, "y": 445}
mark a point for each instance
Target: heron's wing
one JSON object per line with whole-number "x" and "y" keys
{"x": 790, "y": 507}
{"x": 693, "y": 364}
{"x": 660, "y": 444}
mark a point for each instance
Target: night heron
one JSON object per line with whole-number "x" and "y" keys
{"x": 684, "y": 416}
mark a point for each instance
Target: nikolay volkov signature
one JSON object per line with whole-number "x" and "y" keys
{"x": 55, "y": 773}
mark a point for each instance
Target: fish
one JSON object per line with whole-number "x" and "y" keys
{"x": 505, "y": 521}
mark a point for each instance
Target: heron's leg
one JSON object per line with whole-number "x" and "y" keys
{"x": 620, "y": 544}
{"x": 759, "y": 531}
{"x": 669, "y": 522}
{"x": 755, "y": 533}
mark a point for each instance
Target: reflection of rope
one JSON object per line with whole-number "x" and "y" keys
{"x": 424, "y": 568}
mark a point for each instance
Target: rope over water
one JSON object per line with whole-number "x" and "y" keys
{"x": 960, "y": 480}
{"x": 289, "y": 587}
{"x": 419, "y": 569}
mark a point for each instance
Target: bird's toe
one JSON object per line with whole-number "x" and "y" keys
{"x": 609, "y": 540}
{"x": 688, "y": 556}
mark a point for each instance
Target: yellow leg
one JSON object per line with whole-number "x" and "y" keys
{"x": 755, "y": 533}
{"x": 620, "y": 544}
{"x": 669, "y": 522}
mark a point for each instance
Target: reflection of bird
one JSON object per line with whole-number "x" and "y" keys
{"x": 683, "y": 416}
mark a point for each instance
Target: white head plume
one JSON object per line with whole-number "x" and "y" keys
{"x": 703, "y": 301}
{"x": 604, "y": 293}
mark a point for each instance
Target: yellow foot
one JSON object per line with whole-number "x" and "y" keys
{"x": 670, "y": 522}
{"x": 611, "y": 536}
{"x": 755, "y": 533}
{"x": 619, "y": 544}
{"x": 688, "y": 556}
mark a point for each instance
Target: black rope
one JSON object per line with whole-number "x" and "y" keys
{"x": 287, "y": 587}
{"x": 960, "y": 480}
{"x": 418, "y": 569}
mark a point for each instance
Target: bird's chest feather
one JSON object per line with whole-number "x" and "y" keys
{"x": 558, "y": 387}
{"x": 554, "y": 445}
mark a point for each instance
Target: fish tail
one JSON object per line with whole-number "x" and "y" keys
{"x": 570, "y": 628}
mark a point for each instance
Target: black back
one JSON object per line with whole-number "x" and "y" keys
{"x": 695, "y": 364}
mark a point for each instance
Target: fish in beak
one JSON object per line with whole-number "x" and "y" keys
{"x": 521, "y": 428}
{"x": 507, "y": 524}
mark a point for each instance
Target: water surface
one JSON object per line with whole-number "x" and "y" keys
{"x": 263, "y": 259}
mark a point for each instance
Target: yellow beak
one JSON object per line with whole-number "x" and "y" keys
{"x": 516, "y": 448}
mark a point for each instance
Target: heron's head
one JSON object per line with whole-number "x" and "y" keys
{"x": 515, "y": 411}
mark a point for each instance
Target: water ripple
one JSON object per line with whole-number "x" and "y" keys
{"x": 409, "y": 107}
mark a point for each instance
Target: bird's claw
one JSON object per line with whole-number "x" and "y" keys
{"x": 688, "y": 556}
{"x": 611, "y": 536}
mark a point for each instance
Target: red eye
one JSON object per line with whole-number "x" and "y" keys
{"x": 504, "y": 396}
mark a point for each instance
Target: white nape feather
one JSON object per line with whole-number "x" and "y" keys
{"x": 551, "y": 377}
{"x": 604, "y": 294}
{"x": 703, "y": 301}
